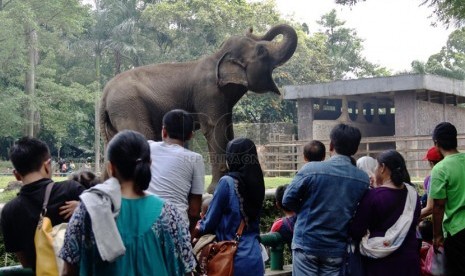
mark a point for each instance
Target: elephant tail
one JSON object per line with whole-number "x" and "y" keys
{"x": 106, "y": 128}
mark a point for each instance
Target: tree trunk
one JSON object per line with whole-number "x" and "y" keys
{"x": 31, "y": 43}
{"x": 97, "y": 112}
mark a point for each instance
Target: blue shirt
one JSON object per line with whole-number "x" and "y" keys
{"x": 324, "y": 196}
{"x": 223, "y": 218}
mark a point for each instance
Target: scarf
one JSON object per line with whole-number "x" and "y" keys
{"x": 380, "y": 247}
{"x": 103, "y": 203}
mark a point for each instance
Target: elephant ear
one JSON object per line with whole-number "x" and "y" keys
{"x": 230, "y": 71}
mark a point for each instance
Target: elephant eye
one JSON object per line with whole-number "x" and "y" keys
{"x": 261, "y": 50}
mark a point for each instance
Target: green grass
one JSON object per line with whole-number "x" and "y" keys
{"x": 274, "y": 182}
{"x": 270, "y": 182}
{"x": 8, "y": 195}
{"x": 5, "y": 179}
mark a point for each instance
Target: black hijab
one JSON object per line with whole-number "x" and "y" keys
{"x": 242, "y": 160}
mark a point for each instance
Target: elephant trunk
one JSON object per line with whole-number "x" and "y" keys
{"x": 282, "y": 51}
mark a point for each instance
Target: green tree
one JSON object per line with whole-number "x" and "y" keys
{"x": 344, "y": 51}
{"x": 187, "y": 30}
{"x": 35, "y": 28}
{"x": 449, "y": 62}
{"x": 36, "y": 49}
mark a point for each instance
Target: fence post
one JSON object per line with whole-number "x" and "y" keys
{"x": 275, "y": 242}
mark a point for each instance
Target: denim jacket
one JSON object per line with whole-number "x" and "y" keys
{"x": 325, "y": 196}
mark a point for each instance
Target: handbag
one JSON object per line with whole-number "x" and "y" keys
{"x": 48, "y": 241}
{"x": 352, "y": 262}
{"x": 217, "y": 258}
{"x": 435, "y": 262}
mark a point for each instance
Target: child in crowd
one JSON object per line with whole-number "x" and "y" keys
{"x": 284, "y": 225}
{"x": 205, "y": 239}
{"x": 314, "y": 151}
{"x": 426, "y": 231}
{"x": 433, "y": 156}
{"x": 85, "y": 178}
{"x": 206, "y": 199}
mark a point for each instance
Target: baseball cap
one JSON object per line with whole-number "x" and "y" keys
{"x": 433, "y": 155}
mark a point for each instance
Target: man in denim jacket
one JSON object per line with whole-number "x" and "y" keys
{"x": 325, "y": 195}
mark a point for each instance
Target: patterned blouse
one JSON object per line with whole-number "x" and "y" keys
{"x": 156, "y": 238}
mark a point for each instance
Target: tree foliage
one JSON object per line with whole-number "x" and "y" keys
{"x": 79, "y": 48}
{"x": 344, "y": 51}
{"x": 54, "y": 25}
{"x": 449, "y": 62}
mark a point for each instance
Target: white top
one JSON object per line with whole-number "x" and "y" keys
{"x": 176, "y": 173}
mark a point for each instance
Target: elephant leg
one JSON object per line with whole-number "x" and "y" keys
{"x": 217, "y": 134}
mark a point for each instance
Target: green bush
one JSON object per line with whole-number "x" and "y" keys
{"x": 6, "y": 259}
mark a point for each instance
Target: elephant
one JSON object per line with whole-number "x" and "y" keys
{"x": 208, "y": 88}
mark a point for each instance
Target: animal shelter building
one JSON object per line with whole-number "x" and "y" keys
{"x": 391, "y": 112}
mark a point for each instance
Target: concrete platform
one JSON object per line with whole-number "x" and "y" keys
{"x": 287, "y": 271}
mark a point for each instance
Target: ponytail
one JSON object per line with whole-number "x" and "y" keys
{"x": 142, "y": 175}
{"x": 129, "y": 152}
{"x": 397, "y": 176}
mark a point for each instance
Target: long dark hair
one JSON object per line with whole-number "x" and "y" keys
{"x": 242, "y": 160}
{"x": 129, "y": 152}
{"x": 396, "y": 164}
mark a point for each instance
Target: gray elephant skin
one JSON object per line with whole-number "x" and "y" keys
{"x": 208, "y": 88}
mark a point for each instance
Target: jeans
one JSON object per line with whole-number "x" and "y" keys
{"x": 305, "y": 264}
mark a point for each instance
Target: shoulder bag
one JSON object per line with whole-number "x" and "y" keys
{"x": 48, "y": 241}
{"x": 217, "y": 258}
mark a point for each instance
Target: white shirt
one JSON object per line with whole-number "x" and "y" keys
{"x": 176, "y": 173}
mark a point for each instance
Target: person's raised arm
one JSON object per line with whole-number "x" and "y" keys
{"x": 195, "y": 205}
{"x": 67, "y": 210}
{"x": 428, "y": 209}
{"x": 215, "y": 211}
{"x": 293, "y": 196}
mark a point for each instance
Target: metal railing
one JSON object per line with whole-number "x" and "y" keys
{"x": 275, "y": 242}
{"x": 285, "y": 158}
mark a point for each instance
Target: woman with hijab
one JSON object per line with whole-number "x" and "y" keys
{"x": 394, "y": 202}
{"x": 368, "y": 164}
{"x": 239, "y": 197}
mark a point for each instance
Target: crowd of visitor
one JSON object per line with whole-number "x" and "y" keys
{"x": 150, "y": 217}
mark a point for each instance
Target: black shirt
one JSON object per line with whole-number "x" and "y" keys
{"x": 20, "y": 216}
